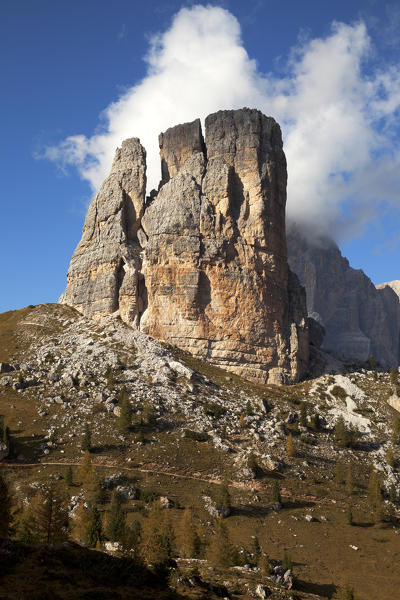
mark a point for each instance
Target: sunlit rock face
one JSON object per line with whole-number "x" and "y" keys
{"x": 213, "y": 277}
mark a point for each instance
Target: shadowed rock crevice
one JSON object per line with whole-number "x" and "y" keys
{"x": 203, "y": 264}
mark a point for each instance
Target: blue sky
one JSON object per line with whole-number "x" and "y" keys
{"x": 335, "y": 89}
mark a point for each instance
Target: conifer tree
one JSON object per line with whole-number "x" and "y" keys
{"x": 80, "y": 523}
{"x": 256, "y": 549}
{"x": 224, "y": 497}
{"x": 188, "y": 538}
{"x": 125, "y": 417}
{"x": 130, "y": 542}
{"x": 375, "y": 497}
{"x": 349, "y": 515}
{"x": 89, "y": 479}
{"x": 242, "y": 422}
{"x": 25, "y": 529}
{"x": 157, "y": 536}
{"x": 341, "y": 433}
{"x": 276, "y": 492}
{"x": 249, "y": 408}
{"x": 287, "y": 562}
{"x": 69, "y": 477}
{"x": 264, "y": 565}
{"x": 303, "y": 415}
{"x": 394, "y": 380}
{"x": 93, "y": 533}
{"x": 220, "y": 552}
{"x": 87, "y": 439}
{"x": 6, "y": 434}
{"x": 50, "y": 517}
{"x": 290, "y": 447}
{"x": 5, "y": 508}
{"x": 116, "y": 519}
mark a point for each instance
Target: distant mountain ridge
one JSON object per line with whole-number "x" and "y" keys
{"x": 359, "y": 318}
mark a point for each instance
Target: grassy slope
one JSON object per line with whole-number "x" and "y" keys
{"x": 320, "y": 550}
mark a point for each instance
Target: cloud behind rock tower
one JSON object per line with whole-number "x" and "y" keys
{"x": 338, "y": 122}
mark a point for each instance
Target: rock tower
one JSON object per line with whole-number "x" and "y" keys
{"x": 202, "y": 263}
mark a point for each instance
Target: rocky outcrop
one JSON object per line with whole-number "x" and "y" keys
{"x": 105, "y": 271}
{"x": 394, "y": 285}
{"x": 214, "y": 279}
{"x": 359, "y": 320}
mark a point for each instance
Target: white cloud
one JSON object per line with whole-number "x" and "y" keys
{"x": 338, "y": 123}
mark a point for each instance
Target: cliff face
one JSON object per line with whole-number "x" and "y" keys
{"x": 105, "y": 270}
{"x": 214, "y": 279}
{"x": 359, "y": 319}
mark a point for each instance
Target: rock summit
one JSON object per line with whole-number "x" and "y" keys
{"x": 201, "y": 263}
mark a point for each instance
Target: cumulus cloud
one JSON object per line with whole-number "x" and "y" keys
{"x": 339, "y": 124}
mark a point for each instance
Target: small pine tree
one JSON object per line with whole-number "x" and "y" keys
{"x": 256, "y": 549}
{"x": 69, "y": 477}
{"x": 341, "y": 433}
{"x": 157, "y": 536}
{"x": 276, "y": 492}
{"x": 86, "y": 439}
{"x": 80, "y": 523}
{"x": 249, "y": 408}
{"x": 125, "y": 417}
{"x": 264, "y": 565}
{"x": 371, "y": 362}
{"x": 375, "y": 497}
{"x": 50, "y": 517}
{"x": 89, "y": 479}
{"x": 5, "y": 508}
{"x": 287, "y": 562}
{"x": 25, "y": 527}
{"x": 130, "y": 541}
{"x": 86, "y": 466}
{"x": 224, "y": 497}
{"x": 290, "y": 447}
{"x": 93, "y": 533}
{"x": 349, "y": 515}
{"x": 253, "y": 465}
{"x": 394, "y": 379}
{"x": 220, "y": 552}
{"x": 188, "y": 538}
{"x": 116, "y": 519}
{"x": 303, "y": 415}
{"x": 148, "y": 413}
{"x": 6, "y": 435}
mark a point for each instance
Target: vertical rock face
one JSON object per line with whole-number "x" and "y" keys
{"x": 215, "y": 262}
{"x": 213, "y": 277}
{"x": 359, "y": 320}
{"x": 104, "y": 274}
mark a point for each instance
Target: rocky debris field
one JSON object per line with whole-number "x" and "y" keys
{"x": 76, "y": 377}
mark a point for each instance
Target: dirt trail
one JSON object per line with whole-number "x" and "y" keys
{"x": 253, "y": 486}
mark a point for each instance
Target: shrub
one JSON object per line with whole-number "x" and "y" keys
{"x": 339, "y": 392}
{"x": 198, "y": 436}
{"x": 212, "y": 409}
